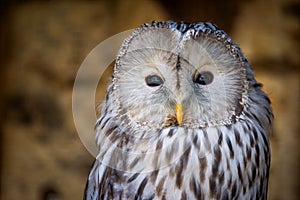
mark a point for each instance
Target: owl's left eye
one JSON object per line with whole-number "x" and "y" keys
{"x": 204, "y": 78}
{"x": 153, "y": 80}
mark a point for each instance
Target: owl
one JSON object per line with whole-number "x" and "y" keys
{"x": 183, "y": 118}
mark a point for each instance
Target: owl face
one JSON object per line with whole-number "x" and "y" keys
{"x": 167, "y": 76}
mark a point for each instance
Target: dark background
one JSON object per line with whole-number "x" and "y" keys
{"x": 43, "y": 44}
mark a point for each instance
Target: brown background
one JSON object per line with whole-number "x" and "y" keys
{"x": 43, "y": 44}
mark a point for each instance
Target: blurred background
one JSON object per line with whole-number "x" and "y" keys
{"x": 43, "y": 43}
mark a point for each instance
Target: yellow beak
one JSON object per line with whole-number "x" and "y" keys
{"x": 178, "y": 109}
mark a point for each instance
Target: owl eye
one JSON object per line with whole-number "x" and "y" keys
{"x": 204, "y": 78}
{"x": 153, "y": 80}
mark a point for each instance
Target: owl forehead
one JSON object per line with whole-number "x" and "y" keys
{"x": 165, "y": 45}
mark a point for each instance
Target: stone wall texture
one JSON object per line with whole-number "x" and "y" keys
{"x": 43, "y": 44}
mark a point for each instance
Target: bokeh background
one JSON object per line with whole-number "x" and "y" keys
{"x": 43, "y": 43}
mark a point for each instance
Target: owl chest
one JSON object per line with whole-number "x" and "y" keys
{"x": 212, "y": 167}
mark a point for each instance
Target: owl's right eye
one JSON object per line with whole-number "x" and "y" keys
{"x": 153, "y": 80}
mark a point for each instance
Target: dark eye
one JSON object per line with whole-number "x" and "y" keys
{"x": 204, "y": 78}
{"x": 154, "y": 80}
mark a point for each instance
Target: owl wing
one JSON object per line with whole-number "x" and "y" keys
{"x": 92, "y": 187}
{"x": 103, "y": 183}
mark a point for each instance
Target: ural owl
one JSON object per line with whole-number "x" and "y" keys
{"x": 184, "y": 118}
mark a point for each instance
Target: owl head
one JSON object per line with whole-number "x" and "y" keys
{"x": 179, "y": 74}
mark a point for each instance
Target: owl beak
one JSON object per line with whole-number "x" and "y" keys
{"x": 178, "y": 109}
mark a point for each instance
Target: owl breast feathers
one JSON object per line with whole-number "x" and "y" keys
{"x": 184, "y": 118}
